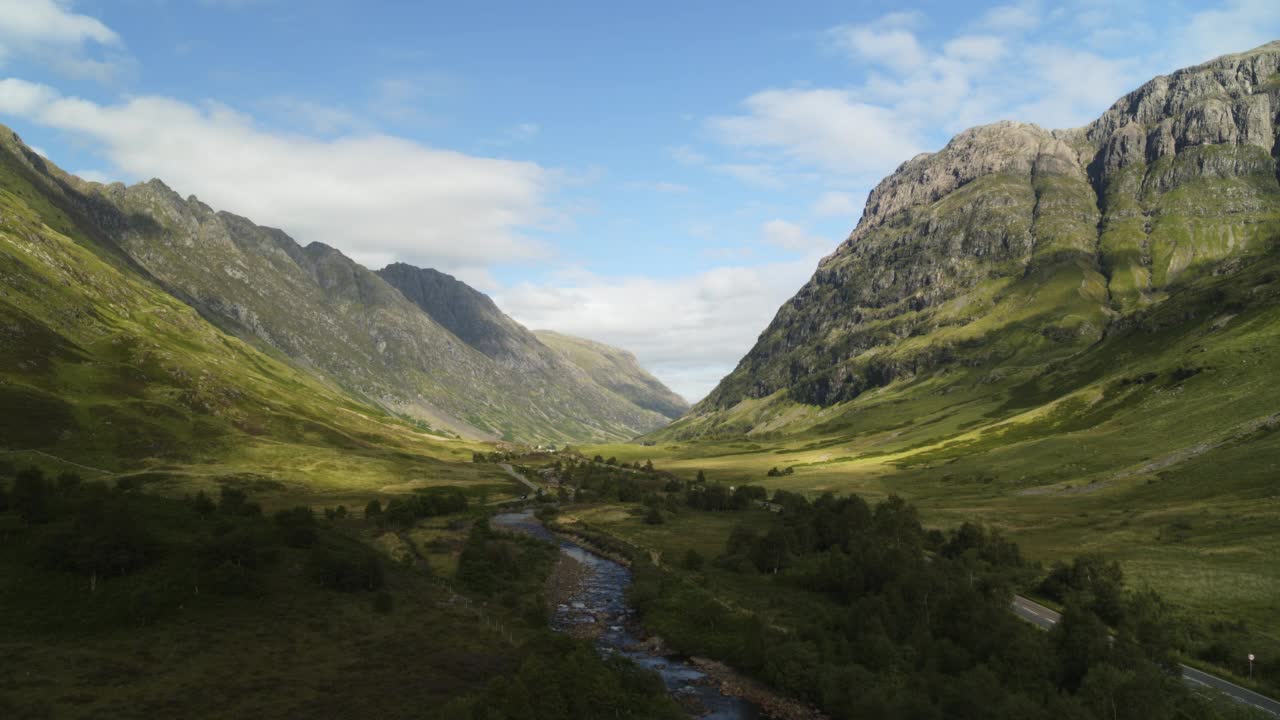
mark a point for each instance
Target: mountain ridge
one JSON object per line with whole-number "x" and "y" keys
{"x": 617, "y": 370}
{"x": 341, "y": 321}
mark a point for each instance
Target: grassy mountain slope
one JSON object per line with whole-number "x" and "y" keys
{"x": 1070, "y": 335}
{"x": 617, "y": 370}
{"x": 102, "y": 368}
{"x": 328, "y": 314}
{"x": 474, "y": 318}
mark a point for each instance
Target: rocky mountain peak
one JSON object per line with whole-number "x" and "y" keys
{"x": 1012, "y": 226}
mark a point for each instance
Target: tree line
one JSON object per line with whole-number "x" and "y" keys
{"x": 870, "y": 615}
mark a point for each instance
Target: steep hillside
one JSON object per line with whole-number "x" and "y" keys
{"x": 464, "y": 311}
{"x": 617, "y": 370}
{"x": 628, "y": 392}
{"x": 103, "y": 372}
{"x": 328, "y": 314}
{"x": 1016, "y": 247}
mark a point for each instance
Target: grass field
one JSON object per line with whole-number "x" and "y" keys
{"x": 1158, "y": 448}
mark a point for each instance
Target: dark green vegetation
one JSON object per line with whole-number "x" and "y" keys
{"x": 1069, "y": 336}
{"x": 860, "y": 610}
{"x": 122, "y": 604}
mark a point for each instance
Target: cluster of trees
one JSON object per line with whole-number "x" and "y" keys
{"x": 492, "y": 457}
{"x": 870, "y": 615}
{"x": 509, "y": 568}
{"x": 164, "y": 551}
{"x": 775, "y": 472}
{"x": 403, "y": 512}
{"x": 566, "y": 679}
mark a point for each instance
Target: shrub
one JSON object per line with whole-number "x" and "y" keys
{"x": 654, "y": 517}
{"x": 693, "y": 560}
{"x": 30, "y": 497}
{"x": 203, "y": 505}
{"x": 105, "y": 541}
{"x": 248, "y": 547}
{"x": 232, "y": 501}
{"x": 297, "y": 527}
{"x": 345, "y": 570}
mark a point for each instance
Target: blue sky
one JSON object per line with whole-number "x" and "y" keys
{"x": 656, "y": 175}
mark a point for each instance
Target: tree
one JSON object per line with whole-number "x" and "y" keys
{"x": 702, "y": 478}
{"x": 30, "y": 497}
{"x": 203, "y": 505}
{"x": 373, "y": 509}
{"x": 648, "y": 466}
{"x": 1081, "y": 641}
{"x": 345, "y": 570}
{"x": 233, "y": 501}
{"x": 654, "y": 517}
{"x": 68, "y": 483}
{"x": 693, "y": 560}
{"x": 297, "y": 527}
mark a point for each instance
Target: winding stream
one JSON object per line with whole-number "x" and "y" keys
{"x": 602, "y": 598}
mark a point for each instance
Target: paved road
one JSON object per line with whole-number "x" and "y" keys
{"x": 512, "y": 472}
{"x": 1044, "y": 618}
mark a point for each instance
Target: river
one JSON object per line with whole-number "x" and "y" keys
{"x": 602, "y": 598}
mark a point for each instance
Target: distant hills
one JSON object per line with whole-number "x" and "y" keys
{"x": 415, "y": 342}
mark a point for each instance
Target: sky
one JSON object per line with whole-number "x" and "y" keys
{"x": 660, "y": 176}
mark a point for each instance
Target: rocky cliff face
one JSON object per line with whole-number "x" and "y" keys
{"x": 462, "y": 365}
{"x": 466, "y": 312}
{"x": 1017, "y": 245}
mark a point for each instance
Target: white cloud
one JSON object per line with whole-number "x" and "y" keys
{"x": 1084, "y": 84}
{"x": 373, "y": 196}
{"x": 315, "y": 117}
{"x": 661, "y": 186}
{"x": 1236, "y": 26}
{"x": 686, "y": 155}
{"x": 41, "y": 21}
{"x": 524, "y": 131}
{"x": 756, "y": 174}
{"x": 689, "y": 331}
{"x": 823, "y": 127}
{"x": 53, "y": 34}
{"x": 19, "y": 97}
{"x": 790, "y": 236}
{"x": 893, "y": 47}
{"x": 93, "y": 176}
{"x": 1020, "y": 16}
{"x": 837, "y": 204}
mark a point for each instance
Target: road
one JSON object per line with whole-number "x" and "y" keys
{"x": 512, "y": 472}
{"x": 1044, "y": 618}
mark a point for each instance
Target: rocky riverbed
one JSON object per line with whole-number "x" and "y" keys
{"x": 587, "y": 594}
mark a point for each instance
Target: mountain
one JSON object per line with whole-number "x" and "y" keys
{"x": 1068, "y": 336}
{"x": 603, "y": 376}
{"x": 617, "y": 370}
{"x": 466, "y": 312}
{"x": 1017, "y": 256}
{"x": 464, "y": 367}
{"x": 103, "y": 372}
